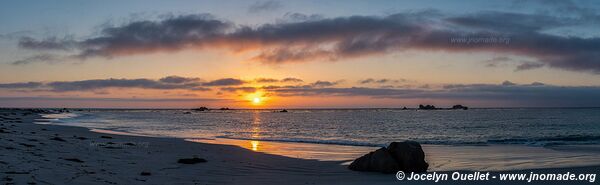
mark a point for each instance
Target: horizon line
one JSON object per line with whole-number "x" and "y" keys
{"x": 297, "y": 108}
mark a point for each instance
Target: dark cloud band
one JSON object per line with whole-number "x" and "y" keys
{"x": 346, "y": 37}
{"x": 534, "y": 94}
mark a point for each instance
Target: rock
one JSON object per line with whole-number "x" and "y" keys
{"x": 191, "y": 160}
{"x": 145, "y": 174}
{"x": 283, "y": 110}
{"x": 379, "y": 160}
{"x": 201, "y": 109}
{"x": 427, "y": 107}
{"x": 74, "y": 160}
{"x": 409, "y": 155}
{"x": 26, "y": 145}
{"x": 460, "y": 107}
{"x": 57, "y": 139}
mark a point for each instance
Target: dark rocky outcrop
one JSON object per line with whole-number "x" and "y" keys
{"x": 74, "y": 160}
{"x": 201, "y": 109}
{"x": 427, "y": 107}
{"x": 191, "y": 160}
{"x": 407, "y": 156}
{"x": 431, "y": 107}
{"x": 460, "y": 107}
{"x": 58, "y": 139}
{"x": 379, "y": 160}
{"x": 145, "y": 173}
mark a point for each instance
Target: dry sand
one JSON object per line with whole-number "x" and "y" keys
{"x": 50, "y": 154}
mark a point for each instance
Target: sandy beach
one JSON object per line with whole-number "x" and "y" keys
{"x": 52, "y": 154}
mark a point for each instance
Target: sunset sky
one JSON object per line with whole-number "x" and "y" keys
{"x": 299, "y": 54}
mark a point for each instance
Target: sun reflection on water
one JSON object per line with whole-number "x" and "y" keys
{"x": 254, "y": 145}
{"x": 255, "y": 131}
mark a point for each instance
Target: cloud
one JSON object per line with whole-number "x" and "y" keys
{"x": 505, "y": 22}
{"x": 20, "y": 85}
{"x": 88, "y": 85}
{"x": 178, "y": 79}
{"x": 273, "y": 80}
{"x": 379, "y": 81}
{"x": 266, "y": 80}
{"x": 111, "y": 99}
{"x": 167, "y": 83}
{"x": 537, "y": 83}
{"x": 225, "y": 82}
{"x": 292, "y": 80}
{"x": 334, "y": 39}
{"x": 529, "y": 66}
{"x": 507, "y": 83}
{"x": 521, "y": 65}
{"x": 171, "y": 34}
{"x": 352, "y": 91}
{"x": 15, "y": 35}
{"x": 91, "y": 102}
{"x": 239, "y": 89}
{"x": 47, "y": 58}
{"x": 497, "y": 60}
{"x": 505, "y": 94}
{"x": 323, "y": 83}
{"x": 51, "y": 43}
{"x": 299, "y": 17}
{"x": 264, "y": 6}
{"x": 565, "y": 7}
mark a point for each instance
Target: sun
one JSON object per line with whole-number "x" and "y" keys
{"x": 256, "y": 100}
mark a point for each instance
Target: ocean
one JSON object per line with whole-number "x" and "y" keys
{"x": 357, "y": 127}
{"x": 474, "y": 139}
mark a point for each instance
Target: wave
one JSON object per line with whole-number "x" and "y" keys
{"x": 553, "y": 140}
{"x": 306, "y": 140}
{"x": 352, "y": 143}
{"x": 544, "y": 141}
{"x": 58, "y": 116}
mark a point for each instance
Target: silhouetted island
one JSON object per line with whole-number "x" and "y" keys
{"x": 460, "y": 107}
{"x": 201, "y": 109}
{"x": 431, "y": 107}
{"x": 427, "y": 107}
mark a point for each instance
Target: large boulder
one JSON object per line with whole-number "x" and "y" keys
{"x": 407, "y": 156}
{"x": 379, "y": 160}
